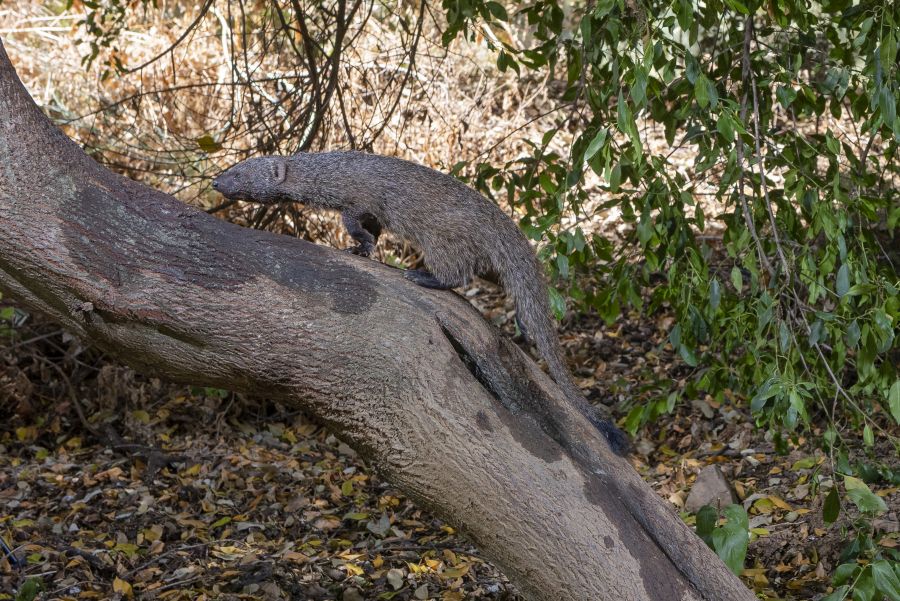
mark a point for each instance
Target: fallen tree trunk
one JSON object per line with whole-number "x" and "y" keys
{"x": 442, "y": 406}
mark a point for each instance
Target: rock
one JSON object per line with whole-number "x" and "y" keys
{"x": 711, "y": 488}
{"x": 395, "y": 578}
{"x": 352, "y": 594}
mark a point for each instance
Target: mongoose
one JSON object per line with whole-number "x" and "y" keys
{"x": 460, "y": 233}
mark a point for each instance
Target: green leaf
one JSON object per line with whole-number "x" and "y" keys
{"x": 691, "y": 68}
{"x": 868, "y": 436}
{"x": 687, "y": 354}
{"x": 770, "y": 388}
{"x": 784, "y": 337}
{"x": 785, "y": 95}
{"x": 845, "y": 572}
{"x": 208, "y": 145}
{"x": 731, "y": 540}
{"x": 497, "y": 10}
{"x": 706, "y": 523}
{"x": 804, "y": 464}
{"x": 725, "y": 126}
{"x": 701, "y": 91}
{"x": 715, "y": 294}
{"x": 853, "y": 333}
{"x": 562, "y": 263}
{"x": 888, "y": 105}
{"x": 894, "y": 401}
{"x": 557, "y": 303}
{"x": 220, "y": 522}
{"x": 832, "y": 143}
{"x": 29, "y": 590}
{"x": 595, "y": 145}
{"x": 737, "y": 280}
{"x": 738, "y": 6}
{"x": 886, "y": 581}
{"x": 842, "y": 283}
{"x": 863, "y": 497}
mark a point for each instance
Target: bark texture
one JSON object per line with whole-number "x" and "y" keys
{"x": 446, "y": 409}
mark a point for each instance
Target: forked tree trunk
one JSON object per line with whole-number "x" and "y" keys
{"x": 441, "y": 405}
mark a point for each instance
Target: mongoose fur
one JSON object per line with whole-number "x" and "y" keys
{"x": 460, "y": 233}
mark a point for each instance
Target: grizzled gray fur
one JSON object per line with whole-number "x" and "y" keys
{"x": 461, "y": 233}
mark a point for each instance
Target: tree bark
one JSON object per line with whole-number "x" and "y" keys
{"x": 441, "y": 405}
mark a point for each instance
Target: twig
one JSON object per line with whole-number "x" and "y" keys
{"x": 33, "y": 340}
{"x": 73, "y": 396}
{"x": 203, "y": 10}
{"x": 9, "y": 554}
{"x": 745, "y": 208}
{"x": 762, "y": 168}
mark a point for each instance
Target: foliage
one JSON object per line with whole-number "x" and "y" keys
{"x": 870, "y": 567}
{"x": 777, "y": 248}
{"x": 29, "y": 590}
{"x": 729, "y": 540}
{"x": 9, "y": 318}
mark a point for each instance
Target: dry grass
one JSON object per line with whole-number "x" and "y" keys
{"x": 456, "y": 106}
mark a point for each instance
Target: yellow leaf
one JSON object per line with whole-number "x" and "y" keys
{"x": 416, "y": 568}
{"x": 454, "y": 573}
{"x": 122, "y": 587}
{"x": 378, "y": 561}
{"x": 779, "y": 503}
{"x": 228, "y": 553}
{"x": 763, "y": 505}
{"x": 665, "y": 450}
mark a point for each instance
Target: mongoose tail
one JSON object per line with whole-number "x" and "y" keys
{"x": 534, "y": 318}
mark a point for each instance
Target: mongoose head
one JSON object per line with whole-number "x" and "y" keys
{"x": 258, "y": 179}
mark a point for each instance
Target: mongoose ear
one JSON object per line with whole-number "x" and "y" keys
{"x": 279, "y": 170}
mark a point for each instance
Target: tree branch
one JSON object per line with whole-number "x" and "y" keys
{"x": 446, "y": 409}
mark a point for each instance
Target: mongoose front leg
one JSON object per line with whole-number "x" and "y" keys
{"x": 362, "y": 227}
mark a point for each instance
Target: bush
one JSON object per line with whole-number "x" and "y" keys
{"x": 776, "y": 249}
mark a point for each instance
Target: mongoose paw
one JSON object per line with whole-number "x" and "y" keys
{"x": 426, "y": 279}
{"x": 361, "y": 250}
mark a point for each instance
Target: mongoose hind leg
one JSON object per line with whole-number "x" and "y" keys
{"x": 362, "y": 227}
{"x": 426, "y": 279}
